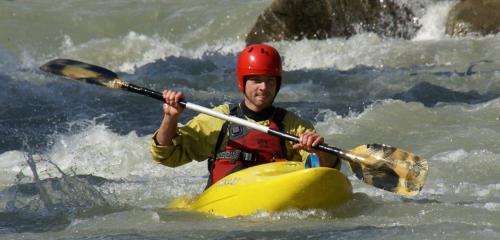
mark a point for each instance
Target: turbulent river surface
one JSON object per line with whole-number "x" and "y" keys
{"x": 433, "y": 95}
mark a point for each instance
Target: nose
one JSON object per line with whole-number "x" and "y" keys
{"x": 265, "y": 85}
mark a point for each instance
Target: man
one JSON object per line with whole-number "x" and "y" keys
{"x": 230, "y": 147}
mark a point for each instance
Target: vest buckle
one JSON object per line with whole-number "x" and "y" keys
{"x": 248, "y": 157}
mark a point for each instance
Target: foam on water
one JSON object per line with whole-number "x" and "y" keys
{"x": 134, "y": 50}
{"x": 414, "y": 95}
{"x": 7, "y": 62}
{"x": 98, "y": 151}
{"x": 371, "y": 50}
{"x": 10, "y": 165}
{"x": 467, "y": 172}
{"x": 125, "y": 49}
{"x": 434, "y": 21}
{"x": 123, "y": 54}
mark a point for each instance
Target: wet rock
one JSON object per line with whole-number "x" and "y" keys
{"x": 477, "y": 17}
{"x": 430, "y": 95}
{"x": 55, "y": 196}
{"x": 31, "y": 189}
{"x": 23, "y": 208}
{"x": 321, "y": 19}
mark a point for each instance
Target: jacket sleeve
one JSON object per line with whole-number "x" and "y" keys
{"x": 194, "y": 141}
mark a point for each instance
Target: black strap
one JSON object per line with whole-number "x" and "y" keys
{"x": 220, "y": 138}
{"x": 233, "y": 108}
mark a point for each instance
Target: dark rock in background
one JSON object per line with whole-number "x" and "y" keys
{"x": 479, "y": 17}
{"x": 321, "y": 19}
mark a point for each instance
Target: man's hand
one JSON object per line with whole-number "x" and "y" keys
{"x": 308, "y": 140}
{"x": 172, "y": 110}
{"x": 171, "y": 107}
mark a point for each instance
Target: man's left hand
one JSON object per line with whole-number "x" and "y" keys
{"x": 308, "y": 140}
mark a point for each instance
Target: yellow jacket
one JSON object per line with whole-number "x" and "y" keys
{"x": 196, "y": 140}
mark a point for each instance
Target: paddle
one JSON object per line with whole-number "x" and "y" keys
{"x": 379, "y": 165}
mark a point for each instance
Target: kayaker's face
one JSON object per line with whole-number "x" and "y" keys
{"x": 260, "y": 92}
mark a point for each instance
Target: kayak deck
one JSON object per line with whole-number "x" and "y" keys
{"x": 271, "y": 187}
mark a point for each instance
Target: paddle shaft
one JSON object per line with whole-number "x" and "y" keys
{"x": 157, "y": 95}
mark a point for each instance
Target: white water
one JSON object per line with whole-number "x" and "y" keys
{"x": 345, "y": 86}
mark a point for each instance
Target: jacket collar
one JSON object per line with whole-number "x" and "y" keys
{"x": 257, "y": 116}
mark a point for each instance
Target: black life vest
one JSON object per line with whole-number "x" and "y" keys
{"x": 246, "y": 147}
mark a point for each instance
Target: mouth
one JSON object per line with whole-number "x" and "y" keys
{"x": 262, "y": 96}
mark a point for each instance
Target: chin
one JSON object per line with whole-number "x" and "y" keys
{"x": 266, "y": 104}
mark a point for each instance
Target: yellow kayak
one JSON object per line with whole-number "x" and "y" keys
{"x": 271, "y": 187}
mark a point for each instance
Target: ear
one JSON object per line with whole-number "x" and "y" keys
{"x": 245, "y": 79}
{"x": 278, "y": 85}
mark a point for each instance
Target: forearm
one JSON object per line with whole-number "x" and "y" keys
{"x": 167, "y": 131}
{"x": 172, "y": 110}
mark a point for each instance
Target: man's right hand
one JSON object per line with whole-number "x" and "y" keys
{"x": 172, "y": 110}
{"x": 171, "y": 107}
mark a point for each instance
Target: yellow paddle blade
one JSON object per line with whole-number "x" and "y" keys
{"x": 390, "y": 168}
{"x": 81, "y": 71}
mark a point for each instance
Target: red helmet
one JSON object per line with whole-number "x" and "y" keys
{"x": 258, "y": 59}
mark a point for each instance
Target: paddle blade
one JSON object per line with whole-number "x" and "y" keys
{"x": 85, "y": 72}
{"x": 390, "y": 168}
